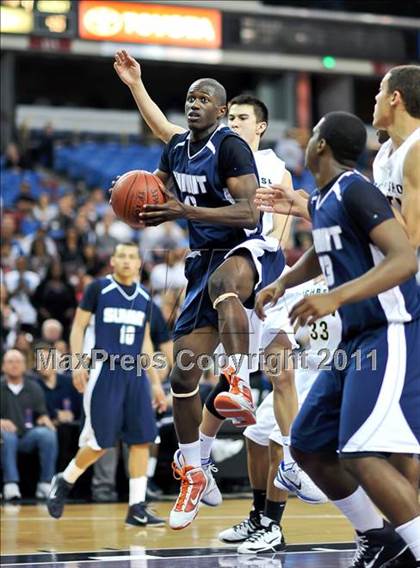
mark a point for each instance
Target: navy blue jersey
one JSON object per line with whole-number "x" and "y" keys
{"x": 121, "y": 314}
{"x": 343, "y": 214}
{"x": 200, "y": 181}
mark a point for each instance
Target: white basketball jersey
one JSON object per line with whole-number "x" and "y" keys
{"x": 320, "y": 339}
{"x": 270, "y": 170}
{"x": 388, "y": 168}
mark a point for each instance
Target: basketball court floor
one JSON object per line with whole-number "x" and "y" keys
{"x": 92, "y": 535}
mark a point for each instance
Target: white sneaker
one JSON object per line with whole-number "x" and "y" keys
{"x": 227, "y": 448}
{"x": 291, "y": 478}
{"x": 212, "y": 496}
{"x": 11, "y": 491}
{"x": 42, "y": 490}
{"x": 243, "y": 530}
{"x": 268, "y": 539}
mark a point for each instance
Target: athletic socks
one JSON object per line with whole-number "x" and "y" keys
{"x": 137, "y": 491}
{"x": 259, "y": 496}
{"x": 410, "y": 532}
{"x": 206, "y": 443}
{"x": 191, "y": 453}
{"x": 360, "y": 511}
{"x": 274, "y": 510}
{"x": 72, "y": 473}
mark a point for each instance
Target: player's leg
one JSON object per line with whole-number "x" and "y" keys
{"x": 409, "y": 466}
{"x": 139, "y": 430}
{"x": 387, "y": 421}
{"x": 103, "y": 402}
{"x": 187, "y": 411}
{"x": 314, "y": 440}
{"x": 269, "y": 536}
{"x": 230, "y": 286}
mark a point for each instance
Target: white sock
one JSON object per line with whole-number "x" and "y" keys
{"x": 72, "y": 473}
{"x": 360, "y": 511}
{"x": 191, "y": 453}
{"x": 410, "y": 532}
{"x": 287, "y": 456}
{"x": 137, "y": 491}
{"x": 206, "y": 443}
{"x": 151, "y": 466}
{"x": 240, "y": 363}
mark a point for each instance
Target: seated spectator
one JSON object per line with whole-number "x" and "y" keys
{"x": 9, "y": 320}
{"x": 40, "y": 254}
{"x": 15, "y": 159}
{"x": 8, "y": 236}
{"x": 55, "y": 297}
{"x": 21, "y": 284}
{"x": 70, "y": 251}
{"x": 51, "y": 331}
{"x": 170, "y": 273}
{"x": 45, "y": 211}
{"x": 25, "y": 426}
{"x": 63, "y": 400}
{"x": 24, "y": 343}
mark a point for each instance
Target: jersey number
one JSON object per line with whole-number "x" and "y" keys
{"x": 327, "y": 268}
{"x": 127, "y": 334}
{"x": 190, "y": 200}
{"x": 320, "y": 329}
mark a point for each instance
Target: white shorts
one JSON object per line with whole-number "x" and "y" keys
{"x": 266, "y": 428}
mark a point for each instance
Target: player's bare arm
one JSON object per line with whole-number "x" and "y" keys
{"x": 399, "y": 264}
{"x": 283, "y": 199}
{"x": 306, "y": 268}
{"x": 159, "y": 398}
{"x": 129, "y": 71}
{"x": 410, "y": 205}
{"x": 243, "y": 213}
{"x": 77, "y": 334}
{"x": 282, "y": 222}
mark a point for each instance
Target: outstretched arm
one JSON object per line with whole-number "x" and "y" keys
{"x": 129, "y": 71}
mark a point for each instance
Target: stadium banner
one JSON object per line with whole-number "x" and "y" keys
{"x": 155, "y": 24}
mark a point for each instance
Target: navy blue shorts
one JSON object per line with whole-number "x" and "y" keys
{"x": 373, "y": 404}
{"x": 197, "y": 310}
{"x": 117, "y": 405}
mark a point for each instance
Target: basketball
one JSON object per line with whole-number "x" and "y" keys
{"x": 133, "y": 190}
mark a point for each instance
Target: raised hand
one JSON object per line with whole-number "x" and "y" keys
{"x": 127, "y": 68}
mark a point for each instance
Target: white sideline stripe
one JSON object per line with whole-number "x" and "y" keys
{"x": 109, "y": 558}
{"x": 199, "y": 519}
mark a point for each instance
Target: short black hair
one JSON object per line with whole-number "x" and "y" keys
{"x": 345, "y": 134}
{"x": 260, "y": 109}
{"x": 406, "y": 80}
{"x": 218, "y": 88}
{"x": 127, "y": 244}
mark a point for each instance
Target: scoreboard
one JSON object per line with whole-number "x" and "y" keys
{"x": 46, "y": 18}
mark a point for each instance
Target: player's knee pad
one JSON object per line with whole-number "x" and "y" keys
{"x": 222, "y": 386}
{"x": 185, "y": 394}
{"x": 223, "y": 297}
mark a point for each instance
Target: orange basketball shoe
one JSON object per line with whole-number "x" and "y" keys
{"x": 193, "y": 486}
{"x": 237, "y": 404}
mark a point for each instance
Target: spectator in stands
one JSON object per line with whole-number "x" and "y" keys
{"x": 40, "y": 254}
{"x": 14, "y": 158}
{"x": 45, "y": 150}
{"x": 51, "y": 331}
{"x": 21, "y": 284}
{"x": 55, "y": 297}
{"x": 101, "y": 205}
{"x": 116, "y": 229}
{"x": 70, "y": 251}
{"x": 9, "y": 321}
{"x": 93, "y": 265}
{"x": 170, "y": 273}
{"x": 63, "y": 400}
{"x": 25, "y": 426}
{"x": 9, "y": 236}
{"x": 108, "y": 242}
{"x": 45, "y": 211}
{"x": 24, "y": 343}
{"x": 163, "y": 237}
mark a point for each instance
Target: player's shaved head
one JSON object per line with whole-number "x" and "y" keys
{"x": 212, "y": 87}
{"x": 345, "y": 134}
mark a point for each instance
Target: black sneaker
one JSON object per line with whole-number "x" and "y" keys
{"x": 379, "y": 548}
{"x": 153, "y": 492}
{"x": 57, "y": 495}
{"x": 139, "y": 516}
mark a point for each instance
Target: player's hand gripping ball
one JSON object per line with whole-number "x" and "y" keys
{"x": 132, "y": 191}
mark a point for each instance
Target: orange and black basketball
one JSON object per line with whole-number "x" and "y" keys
{"x": 133, "y": 190}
